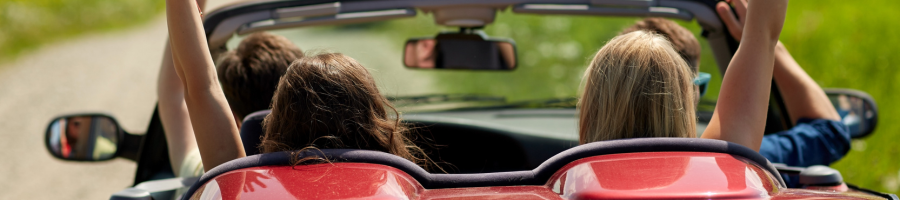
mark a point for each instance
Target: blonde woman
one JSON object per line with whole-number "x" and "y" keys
{"x": 637, "y": 85}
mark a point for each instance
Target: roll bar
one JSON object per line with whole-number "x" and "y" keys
{"x": 244, "y": 18}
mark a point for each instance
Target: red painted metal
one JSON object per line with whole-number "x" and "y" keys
{"x": 321, "y": 181}
{"x": 663, "y": 175}
{"x": 657, "y": 175}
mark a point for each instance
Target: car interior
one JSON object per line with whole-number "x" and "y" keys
{"x": 455, "y": 147}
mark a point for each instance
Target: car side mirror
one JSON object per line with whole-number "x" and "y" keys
{"x": 84, "y": 137}
{"x": 857, "y": 109}
{"x": 460, "y": 51}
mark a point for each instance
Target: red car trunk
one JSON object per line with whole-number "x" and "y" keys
{"x": 655, "y": 175}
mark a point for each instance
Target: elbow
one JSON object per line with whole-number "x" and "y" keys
{"x": 773, "y": 39}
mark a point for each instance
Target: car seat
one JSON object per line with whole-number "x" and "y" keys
{"x": 252, "y": 131}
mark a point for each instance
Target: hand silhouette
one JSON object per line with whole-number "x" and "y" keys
{"x": 252, "y": 177}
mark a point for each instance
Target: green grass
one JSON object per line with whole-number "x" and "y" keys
{"x": 841, "y": 44}
{"x": 852, "y": 44}
{"x": 27, "y": 24}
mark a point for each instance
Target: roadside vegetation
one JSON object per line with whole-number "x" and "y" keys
{"x": 852, "y": 44}
{"x": 28, "y": 24}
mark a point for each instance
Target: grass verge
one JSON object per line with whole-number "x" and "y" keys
{"x": 28, "y": 24}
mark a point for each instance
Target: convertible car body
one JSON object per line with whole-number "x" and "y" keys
{"x": 500, "y": 151}
{"x": 648, "y": 168}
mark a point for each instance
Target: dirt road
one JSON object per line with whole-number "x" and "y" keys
{"x": 113, "y": 73}
{"x": 110, "y": 73}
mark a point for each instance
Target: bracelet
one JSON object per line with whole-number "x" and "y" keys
{"x": 198, "y": 8}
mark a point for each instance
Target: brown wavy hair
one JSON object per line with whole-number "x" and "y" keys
{"x": 683, "y": 41}
{"x": 250, "y": 73}
{"x": 329, "y": 101}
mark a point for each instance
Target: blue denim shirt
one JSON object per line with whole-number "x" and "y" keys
{"x": 811, "y": 142}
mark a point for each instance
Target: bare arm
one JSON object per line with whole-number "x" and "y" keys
{"x": 740, "y": 114}
{"x": 172, "y": 110}
{"x": 173, "y": 113}
{"x": 214, "y": 127}
{"x": 802, "y": 95}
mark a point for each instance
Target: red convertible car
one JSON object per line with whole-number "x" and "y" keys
{"x": 524, "y": 149}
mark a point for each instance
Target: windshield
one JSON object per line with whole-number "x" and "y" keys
{"x": 553, "y": 52}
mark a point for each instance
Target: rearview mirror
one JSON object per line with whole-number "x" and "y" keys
{"x": 460, "y": 51}
{"x": 84, "y": 137}
{"x": 857, "y": 109}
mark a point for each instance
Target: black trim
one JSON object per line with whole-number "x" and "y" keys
{"x": 153, "y": 156}
{"x": 872, "y": 192}
{"x": 120, "y": 134}
{"x": 130, "y": 146}
{"x": 212, "y": 20}
{"x": 538, "y": 176}
{"x": 777, "y": 117}
{"x": 784, "y": 169}
{"x": 866, "y": 97}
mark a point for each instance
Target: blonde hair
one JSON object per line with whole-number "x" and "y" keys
{"x": 637, "y": 86}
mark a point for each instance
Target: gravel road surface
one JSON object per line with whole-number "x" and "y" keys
{"x": 111, "y": 73}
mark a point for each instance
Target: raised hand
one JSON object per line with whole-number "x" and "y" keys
{"x": 211, "y": 118}
{"x": 740, "y": 114}
{"x": 735, "y": 24}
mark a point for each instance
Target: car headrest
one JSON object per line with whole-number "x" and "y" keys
{"x": 537, "y": 176}
{"x": 252, "y": 131}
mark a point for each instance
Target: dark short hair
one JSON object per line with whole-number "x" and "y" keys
{"x": 249, "y": 74}
{"x": 683, "y": 41}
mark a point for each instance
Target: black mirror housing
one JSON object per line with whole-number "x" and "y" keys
{"x": 857, "y": 109}
{"x": 84, "y": 137}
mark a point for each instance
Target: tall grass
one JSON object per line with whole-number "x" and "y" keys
{"x": 27, "y": 24}
{"x": 853, "y": 44}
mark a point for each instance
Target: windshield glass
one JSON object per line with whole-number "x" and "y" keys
{"x": 553, "y": 52}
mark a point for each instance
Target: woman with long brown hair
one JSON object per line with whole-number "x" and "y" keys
{"x": 331, "y": 101}
{"x": 637, "y": 85}
{"x": 322, "y": 101}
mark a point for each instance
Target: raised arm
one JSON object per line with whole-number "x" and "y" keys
{"x": 214, "y": 127}
{"x": 740, "y": 114}
{"x": 173, "y": 113}
{"x": 172, "y": 110}
{"x": 802, "y": 96}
